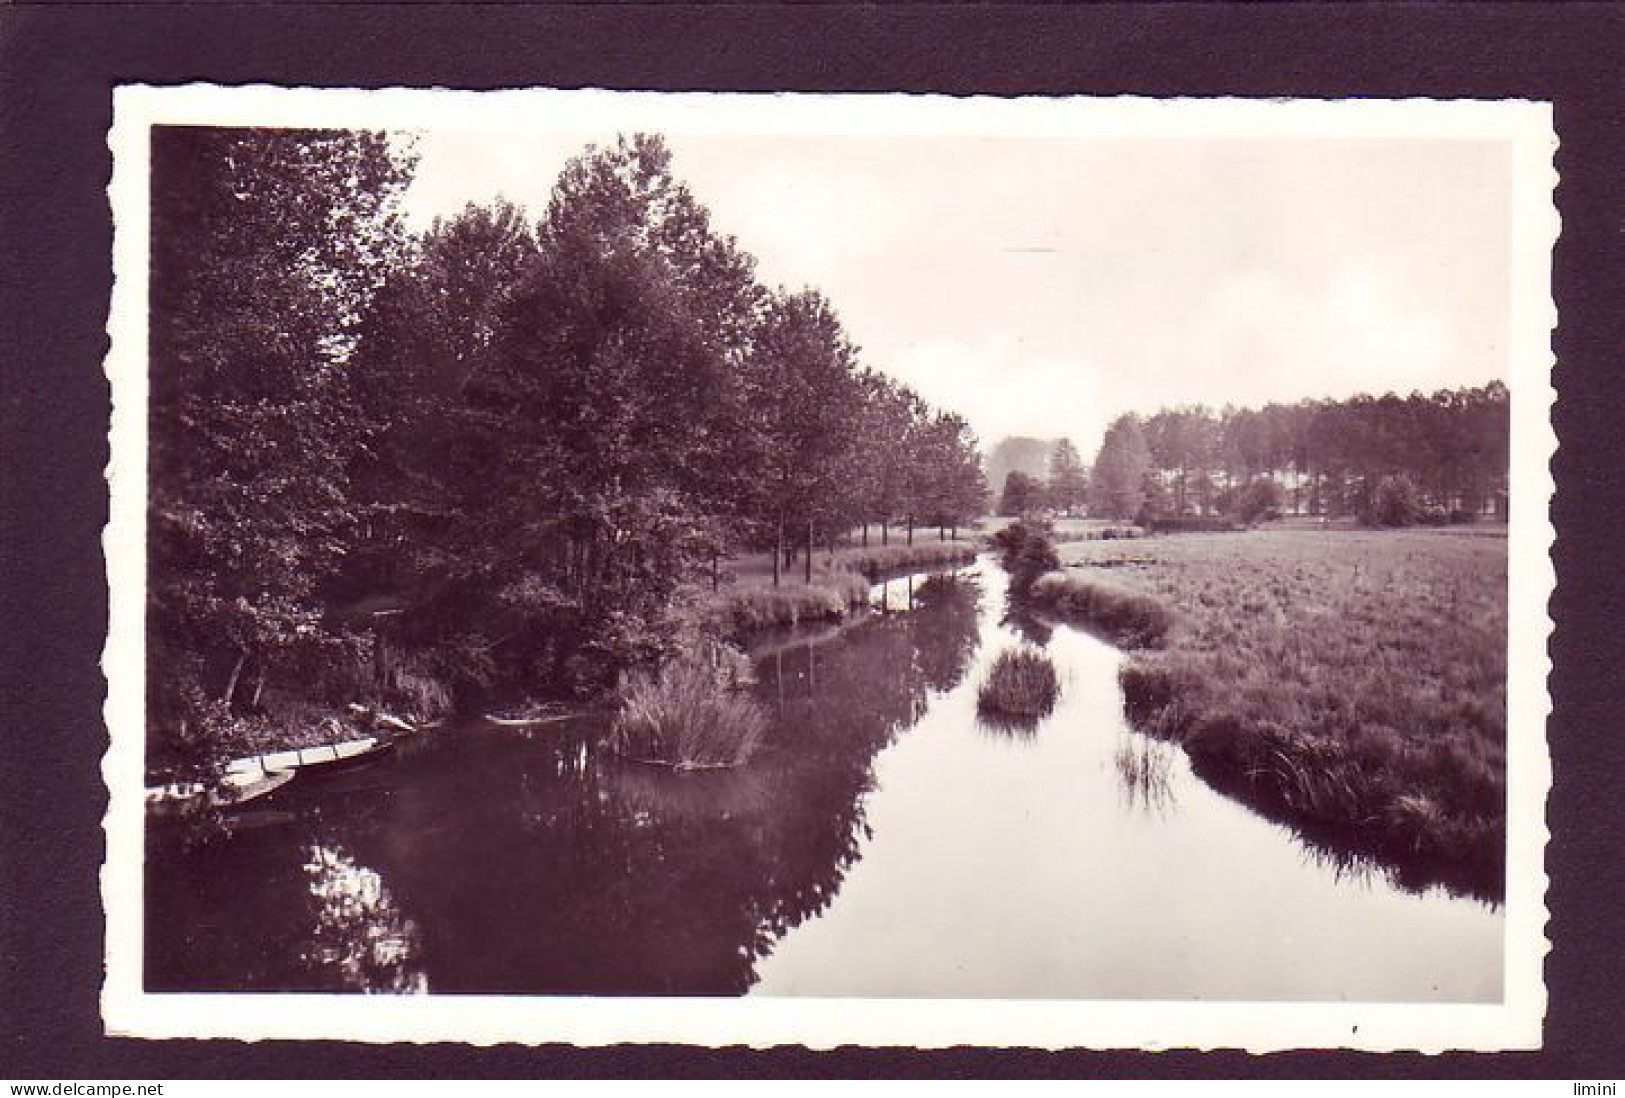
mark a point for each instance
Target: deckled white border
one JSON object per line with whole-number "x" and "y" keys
{"x": 1527, "y": 130}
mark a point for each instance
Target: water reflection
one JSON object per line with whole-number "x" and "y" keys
{"x": 361, "y": 940}
{"x": 509, "y": 861}
{"x": 1145, "y": 770}
{"x": 881, "y": 842}
{"x": 1085, "y": 860}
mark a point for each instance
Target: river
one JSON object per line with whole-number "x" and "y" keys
{"x": 883, "y": 842}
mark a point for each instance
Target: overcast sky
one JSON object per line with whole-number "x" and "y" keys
{"x": 1041, "y": 286}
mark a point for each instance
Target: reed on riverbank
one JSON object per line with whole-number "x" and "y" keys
{"x": 738, "y": 609}
{"x": 749, "y": 599}
{"x": 875, "y": 560}
{"x": 1022, "y": 686}
{"x": 1350, "y": 684}
{"x": 688, "y": 715}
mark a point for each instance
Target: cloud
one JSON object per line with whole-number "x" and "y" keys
{"x": 1042, "y": 287}
{"x": 1003, "y": 388}
{"x": 1363, "y": 328}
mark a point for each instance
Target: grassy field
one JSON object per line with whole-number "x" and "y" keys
{"x": 1065, "y": 529}
{"x": 1349, "y": 683}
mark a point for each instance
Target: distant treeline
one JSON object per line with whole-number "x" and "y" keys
{"x": 1385, "y": 460}
{"x": 502, "y": 444}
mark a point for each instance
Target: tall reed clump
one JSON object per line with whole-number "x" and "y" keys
{"x": 1128, "y": 618}
{"x": 874, "y": 560}
{"x": 1021, "y": 687}
{"x": 691, "y": 714}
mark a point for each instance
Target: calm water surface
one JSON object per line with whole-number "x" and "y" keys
{"x": 883, "y": 842}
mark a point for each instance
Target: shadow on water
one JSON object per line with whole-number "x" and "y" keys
{"x": 485, "y": 860}
{"x": 1354, "y": 851}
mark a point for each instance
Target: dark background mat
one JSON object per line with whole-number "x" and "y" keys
{"x": 58, "y": 64}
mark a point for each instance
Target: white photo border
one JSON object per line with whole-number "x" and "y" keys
{"x": 1514, "y": 1023}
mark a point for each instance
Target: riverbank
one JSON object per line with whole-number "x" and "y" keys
{"x": 1350, "y": 684}
{"x": 745, "y": 601}
{"x": 746, "y": 598}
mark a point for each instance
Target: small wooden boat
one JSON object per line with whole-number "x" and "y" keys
{"x": 328, "y": 756}
{"x": 379, "y": 719}
{"x": 254, "y": 776}
{"x": 244, "y": 786}
{"x": 236, "y": 787}
{"x": 534, "y": 718}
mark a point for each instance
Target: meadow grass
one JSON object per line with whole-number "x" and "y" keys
{"x": 1349, "y": 683}
{"x": 1066, "y": 528}
{"x": 1126, "y": 617}
{"x": 1021, "y": 686}
{"x": 688, "y": 716}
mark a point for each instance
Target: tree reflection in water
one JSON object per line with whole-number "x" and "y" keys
{"x": 489, "y": 861}
{"x": 361, "y": 940}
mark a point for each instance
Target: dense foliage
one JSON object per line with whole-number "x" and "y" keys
{"x": 1445, "y": 454}
{"x": 1037, "y": 474}
{"x": 404, "y": 469}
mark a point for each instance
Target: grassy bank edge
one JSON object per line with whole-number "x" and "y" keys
{"x": 1288, "y": 778}
{"x": 840, "y": 586}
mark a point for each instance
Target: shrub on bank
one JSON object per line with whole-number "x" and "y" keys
{"x": 1127, "y": 618}
{"x": 738, "y": 610}
{"x": 690, "y": 715}
{"x": 1021, "y": 685}
{"x": 875, "y": 560}
{"x": 1193, "y": 524}
{"x": 1028, "y": 553}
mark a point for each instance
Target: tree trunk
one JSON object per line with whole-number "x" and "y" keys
{"x": 259, "y": 685}
{"x": 911, "y": 529}
{"x": 807, "y": 573}
{"x": 866, "y": 534}
{"x": 231, "y": 683}
{"x": 885, "y": 531}
{"x": 714, "y": 555}
{"x": 778, "y": 548}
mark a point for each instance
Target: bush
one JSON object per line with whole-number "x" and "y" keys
{"x": 1192, "y": 524}
{"x": 1396, "y": 502}
{"x": 1259, "y": 501}
{"x": 876, "y": 560}
{"x": 1028, "y": 553}
{"x": 691, "y": 715}
{"x": 1021, "y": 685}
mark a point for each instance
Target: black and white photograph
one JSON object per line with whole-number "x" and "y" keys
{"x": 595, "y": 567}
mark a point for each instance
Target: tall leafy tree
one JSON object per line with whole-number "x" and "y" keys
{"x": 267, "y": 247}
{"x": 1022, "y": 494}
{"x": 1068, "y": 482}
{"x": 806, "y": 391}
{"x": 1117, "y": 478}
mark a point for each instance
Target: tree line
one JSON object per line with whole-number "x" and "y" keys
{"x": 1386, "y": 460}
{"x": 1063, "y": 487}
{"x": 503, "y": 445}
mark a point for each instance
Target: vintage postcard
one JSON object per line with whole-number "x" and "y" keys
{"x": 611, "y": 567}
